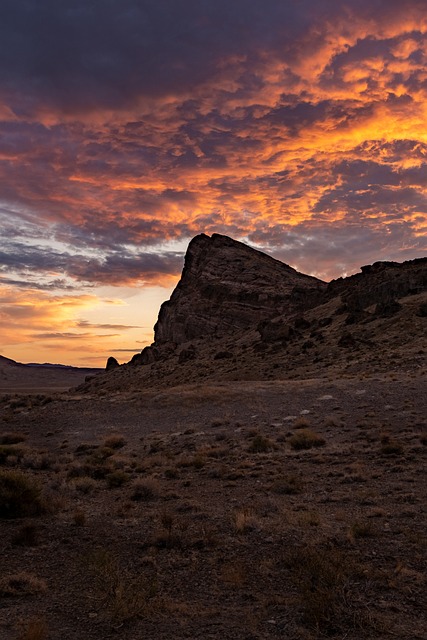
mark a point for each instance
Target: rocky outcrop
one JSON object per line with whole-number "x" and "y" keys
{"x": 274, "y": 330}
{"x": 227, "y": 287}
{"x": 111, "y": 364}
{"x": 237, "y": 314}
{"x": 381, "y": 283}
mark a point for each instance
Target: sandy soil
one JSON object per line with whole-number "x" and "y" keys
{"x": 193, "y": 512}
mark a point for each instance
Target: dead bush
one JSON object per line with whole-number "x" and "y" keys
{"x": 327, "y": 584}
{"x": 145, "y": 490}
{"x": 124, "y": 595}
{"x": 20, "y": 495}
{"x": 36, "y": 629}
{"x": 260, "y": 444}
{"x": 288, "y": 485}
{"x": 306, "y": 439}
{"x": 115, "y": 441}
{"x": 11, "y": 438}
{"x": 21, "y": 584}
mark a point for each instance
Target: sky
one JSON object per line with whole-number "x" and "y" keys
{"x": 129, "y": 126}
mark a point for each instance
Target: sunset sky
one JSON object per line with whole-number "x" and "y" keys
{"x": 129, "y": 126}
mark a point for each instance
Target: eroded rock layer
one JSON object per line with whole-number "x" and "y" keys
{"x": 227, "y": 287}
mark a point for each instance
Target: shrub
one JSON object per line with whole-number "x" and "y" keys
{"x": 11, "y": 450}
{"x": 260, "y": 444}
{"x": 123, "y": 594}
{"x": 36, "y": 630}
{"x": 288, "y": 485}
{"x": 79, "y": 518}
{"x": 306, "y": 439}
{"x": 21, "y": 584}
{"x": 301, "y": 423}
{"x": 115, "y": 441}
{"x": 324, "y": 581}
{"x": 85, "y": 484}
{"x": 117, "y": 479}
{"x": 244, "y": 521}
{"x": 391, "y": 448}
{"x": 11, "y": 438}
{"x": 145, "y": 490}
{"x": 20, "y": 495}
{"x": 362, "y": 530}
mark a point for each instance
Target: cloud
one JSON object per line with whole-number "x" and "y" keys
{"x": 114, "y": 268}
{"x": 84, "y": 324}
{"x": 128, "y": 127}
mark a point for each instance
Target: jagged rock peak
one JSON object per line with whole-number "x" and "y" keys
{"x": 227, "y": 286}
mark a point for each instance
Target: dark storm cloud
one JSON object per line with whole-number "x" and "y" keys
{"x": 77, "y": 55}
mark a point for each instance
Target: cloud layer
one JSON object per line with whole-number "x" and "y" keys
{"x": 128, "y": 127}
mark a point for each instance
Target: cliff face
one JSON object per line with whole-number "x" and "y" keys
{"x": 381, "y": 283}
{"x": 227, "y": 287}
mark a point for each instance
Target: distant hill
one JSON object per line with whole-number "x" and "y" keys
{"x": 16, "y": 377}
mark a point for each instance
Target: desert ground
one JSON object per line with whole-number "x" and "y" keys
{"x": 226, "y": 510}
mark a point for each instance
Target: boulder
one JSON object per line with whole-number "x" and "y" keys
{"x": 274, "y": 330}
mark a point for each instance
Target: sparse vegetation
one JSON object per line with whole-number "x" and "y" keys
{"x": 306, "y": 439}
{"x": 21, "y": 584}
{"x": 36, "y": 629}
{"x": 11, "y": 438}
{"x": 303, "y": 545}
{"x": 145, "y": 490}
{"x": 288, "y": 485}
{"x": 325, "y": 582}
{"x": 20, "y": 495}
{"x": 362, "y": 530}
{"x": 115, "y": 441}
{"x": 390, "y": 447}
{"x": 260, "y": 444}
{"x": 117, "y": 479}
{"x": 124, "y": 595}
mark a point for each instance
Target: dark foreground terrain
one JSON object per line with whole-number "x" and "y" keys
{"x": 236, "y": 510}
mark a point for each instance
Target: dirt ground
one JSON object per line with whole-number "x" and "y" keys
{"x": 238, "y": 510}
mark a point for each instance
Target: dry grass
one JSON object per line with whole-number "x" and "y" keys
{"x": 123, "y": 594}
{"x": 11, "y": 438}
{"x": 260, "y": 444}
{"x": 115, "y": 441}
{"x": 306, "y": 439}
{"x": 327, "y": 583}
{"x": 244, "y": 520}
{"x": 36, "y": 629}
{"x": 20, "y": 495}
{"x": 288, "y": 485}
{"x": 21, "y": 584}
{"x": 145, "y": 490}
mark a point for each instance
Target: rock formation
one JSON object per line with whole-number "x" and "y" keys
{"x": 238, "y": 314}
{"x": 227, "y": 287}
{"x": 111, "y": 364}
